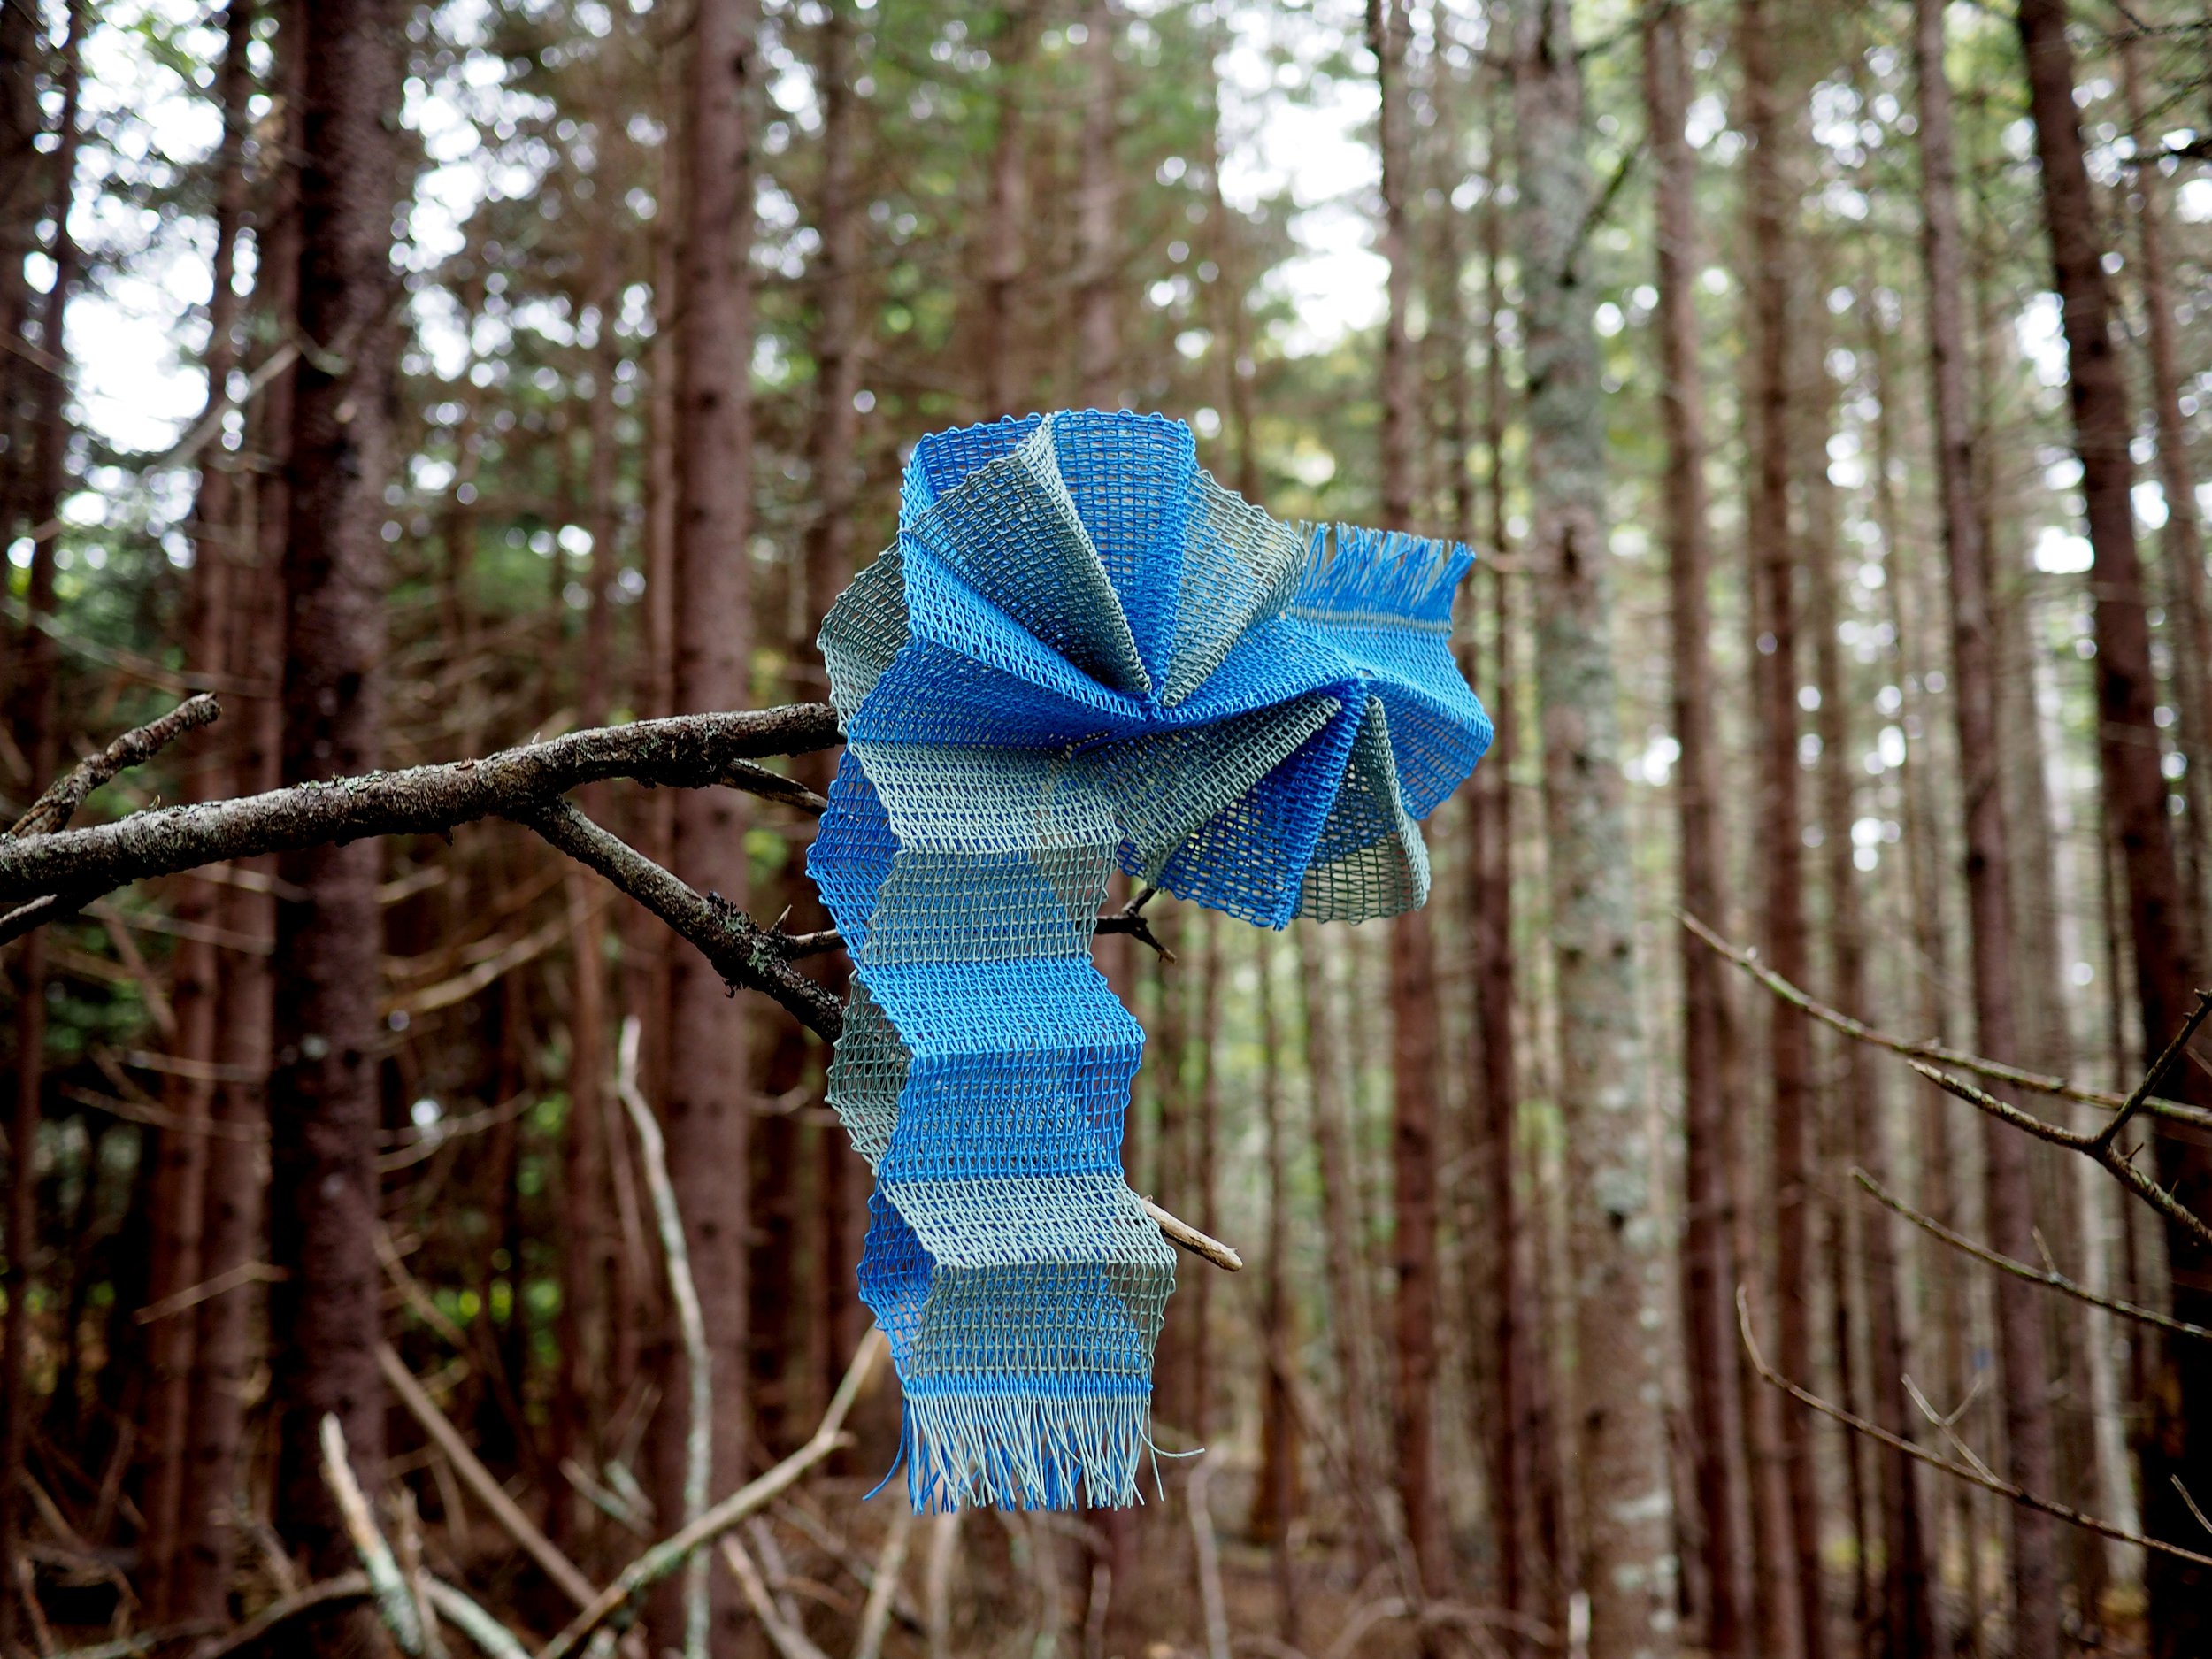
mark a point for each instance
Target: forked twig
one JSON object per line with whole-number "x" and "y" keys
{"x": 1957, "y": 1470}
{"x": 564, "y": 1572}
{"x": 666, "y": 1557}
{"x": 2034, "y": 1082}
{"x": 53, "y": 809}
{"x": 2104, "y": 1154}
{"x": 2047, "y": 1276}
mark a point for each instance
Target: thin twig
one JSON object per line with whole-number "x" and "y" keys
{"x": 1947, "y": 1424}
{"x": 2175, "y": 1050}
{"x": 684, "y": 1293}
{"x": 669, "y": 1554}
{"x": 2034, "y": 1082}
{"x": 784, "y": 1636}
{"x": 53, "y": 809}
{"x": 2142, "y": 1184}
{"x": 208, "y": 1290}
{"x": 737, "y": 947}
{"x": 1920, "y": 1454}
{"x": 564, "y": 1572}
{"x": 345, "y": 1586}
{"x": 883, "y": 1594}
{"x": 1183, "y": 1235}
{"x": 2191, "y": 1502}
{"x": 492, "y": 1638}
{"x": 394, "y": 1603}
{"x": 142, "y": 1641}
{"x": 2048, "y": 1276}
{"x": 1206, "y": 1547}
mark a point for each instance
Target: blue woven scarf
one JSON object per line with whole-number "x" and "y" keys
{"x": 1082, "y": 650}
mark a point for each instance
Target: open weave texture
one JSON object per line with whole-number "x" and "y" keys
{"x": 1082, "y": 650}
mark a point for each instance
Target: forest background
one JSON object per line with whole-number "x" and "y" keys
{"x": 1825, "y": 391}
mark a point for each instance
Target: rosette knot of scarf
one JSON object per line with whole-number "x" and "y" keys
{"x": 1084, "y": 650}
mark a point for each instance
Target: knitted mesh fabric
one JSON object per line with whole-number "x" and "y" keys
{"x": 1083, "y": 651}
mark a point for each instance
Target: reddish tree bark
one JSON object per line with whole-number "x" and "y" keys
{"x": 1772, "y": 556}
{"x": 324, "y": 1096}
{"x": 1708, "y": 1275}
{"x": 707, "y": 1102}
{"x": 2177, "y": 1446}
{"x": 1097, "y": 268}
{"x": 839, "y": 343}
{"x": 1627, "y": 1566}
{"x": 181, "y": 1179}
{"x": 38, "y": 739}
{"x": 235, "y": 1206}
{"x": 1278, "y": 1495}
{"x": 1415, "y": 1020}
{"x": 1006, "y": 216}
{"x": 2181, "y": 545}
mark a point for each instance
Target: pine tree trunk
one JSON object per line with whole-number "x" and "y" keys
{"x": 1277, "y": 1496}
{"x": 838, "y": 344}
{"x": 1350, "y": 1316}
{"x": 1772, "y": 556}
{"x": 1898, "y": 1613}
{"x": 2178, "y": 1445}
{"x": 235, "y": 1200}
{"x": 21, "y": 204}
{"x": 1205, "y": 1164}
{"x": 1628, "y": 1567}
{"x": 37, "y": 738}
{"x": 2181, "y": 545}
{"x": 1709, "y": 1311}
{"x": 1097, "y": 270}
{"x": 1413, "y": 1004}
{"x": 1007, "y": 217}
{"x": 195, "y": 990}
{"x": 707, "y": 1105}
{"x": 588, "y": 1261}
{"x": 324, "y": 1094}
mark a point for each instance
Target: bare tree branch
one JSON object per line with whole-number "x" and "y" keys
{"x": 2034, "y": 1082}
{"x": 2048, "y": 1277}
{"x": 684, "y": 1295}
{"x": 2124, "y": 1171}
{"x": 395, "y": 1601}
{"x": 1920, "y": 1454}
{"x": 564, "y": 1572}
{"x": 737, "y": 947}
{"x": 666, "y": 1557}
{"x": 53, "y": 809}
{"x": 684, "y": 751}
{"x": 346, "y": 1586}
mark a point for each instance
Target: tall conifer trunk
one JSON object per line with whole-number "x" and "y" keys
{"x": 1006, "y": 216}
{"x": 707, "y": 1105}
{"x": 2177, "y": 1446}
{"x": 232, "y": 1225}
{"x": 1709, "y": 1313}
{"x": 195, "y": 989}
{"x": 1097, "y": 270}
{"x": 1772, "y": 554}
{"x": 324, "y": 1090}
{"x": 1619, "y": 1277}
{"x": 37, "y": 713}
{"x": 1415, "y": 1075}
